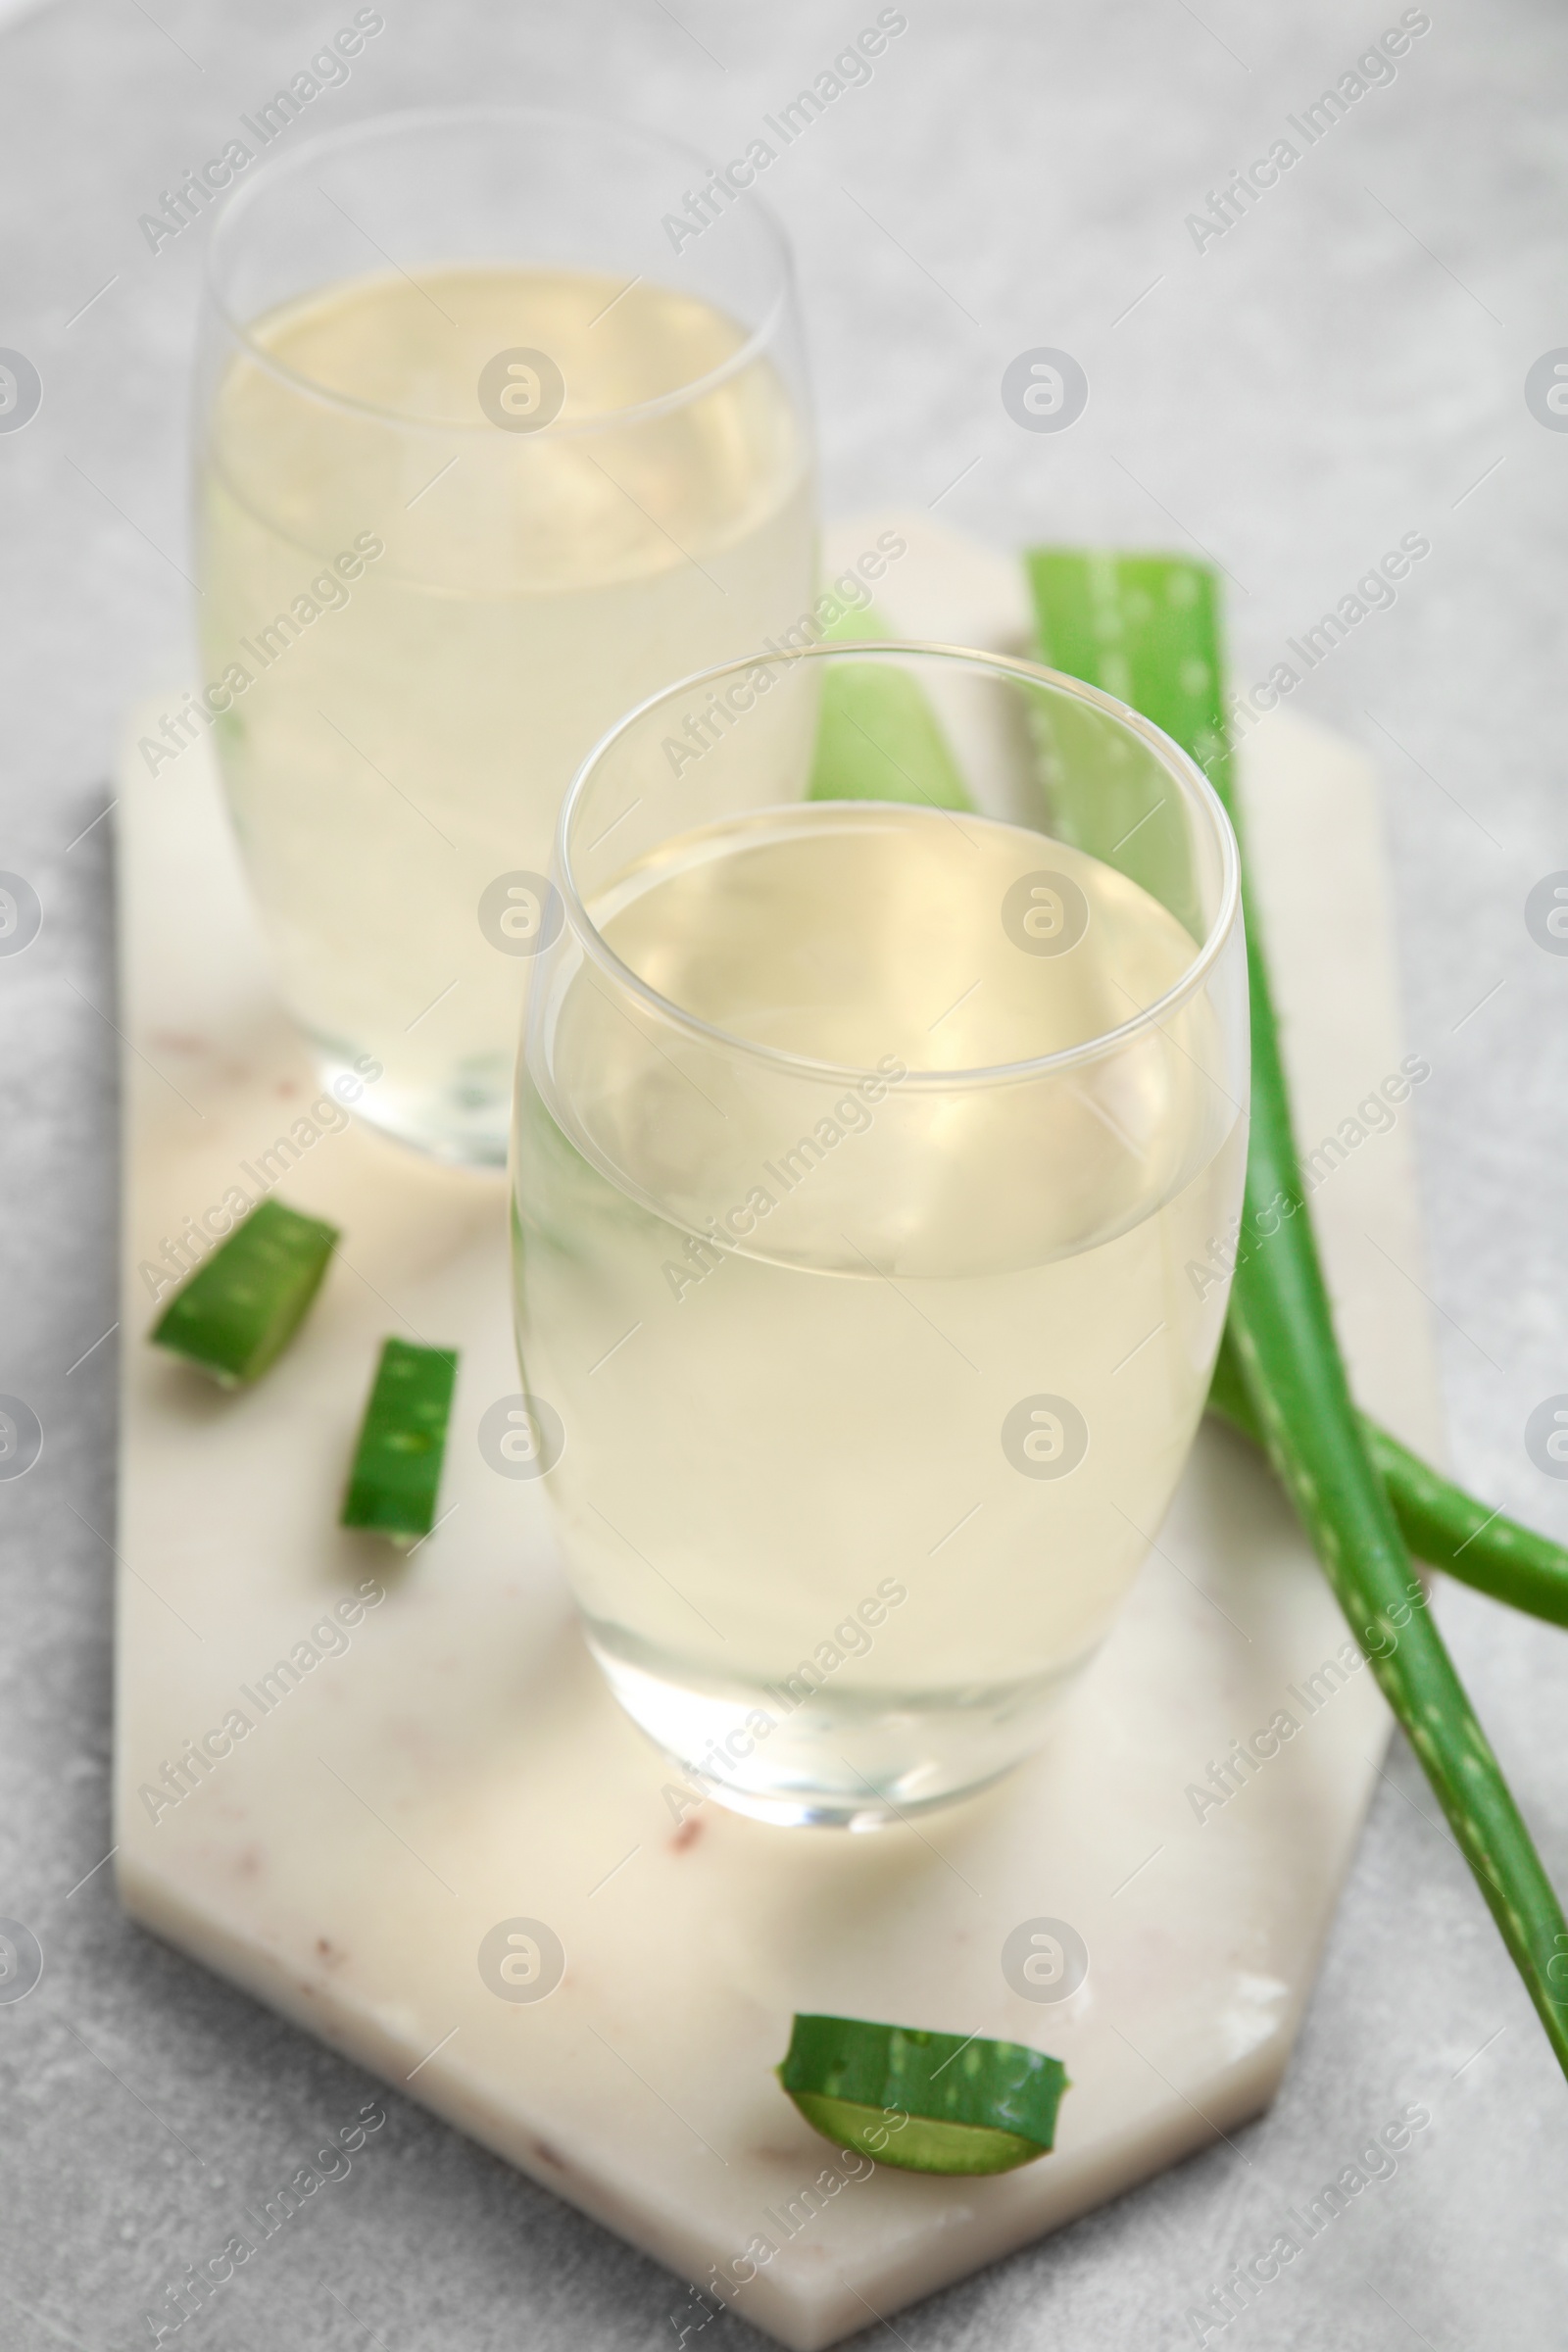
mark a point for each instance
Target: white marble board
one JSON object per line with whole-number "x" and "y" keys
{"x": 458, "y": 1764}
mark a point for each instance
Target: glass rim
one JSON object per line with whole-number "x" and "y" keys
{"x": 233, "y": 212}
{"x": 1196, "y": 787}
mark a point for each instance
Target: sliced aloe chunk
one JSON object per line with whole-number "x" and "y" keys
{"x": 924, "y": 2102}
{"x": 397, "y": 1464}
{"x": 241, "y": 1308}
{"x": 877, "y": 736}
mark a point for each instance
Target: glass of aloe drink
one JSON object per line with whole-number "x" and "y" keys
{"x": 881, "y": 1107}
{"x": 482, "y": 463}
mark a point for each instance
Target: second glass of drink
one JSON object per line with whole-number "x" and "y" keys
{"x": 483, "y": 462}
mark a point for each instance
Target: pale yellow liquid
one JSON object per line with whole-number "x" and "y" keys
{"x": 412, "y": 743}
{"x": 818, "y": 1415}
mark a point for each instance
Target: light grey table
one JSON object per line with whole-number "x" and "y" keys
{"x": 1344, "y": 363}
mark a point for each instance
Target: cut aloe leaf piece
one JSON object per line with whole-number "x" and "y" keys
{"x": 397, "y": 1463}
{"x": 924, "y": 2102}
{"x": 919, "y": 2145}
{"x": 239, "y": 1310}
{"x": 877, "y": 736}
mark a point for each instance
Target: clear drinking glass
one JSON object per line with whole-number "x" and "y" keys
{"x": 482, "y": 463}
{"x": 869, "y": 1157}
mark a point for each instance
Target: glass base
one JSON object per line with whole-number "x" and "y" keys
{"x": 829, "y": 1759}
{"x": 466, "y": 1123}
{"x": 840, "y": 1812}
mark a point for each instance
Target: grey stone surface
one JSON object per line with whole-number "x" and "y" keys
{"x": 1344, "y": 365}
